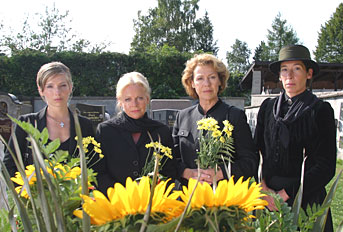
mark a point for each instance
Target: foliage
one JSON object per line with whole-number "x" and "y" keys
{"x": 53, "y": 35}
{"x": 336, "y": 205}
{"x": 238, "y": 57}
{"x": 280, "y": 35}
{"x": 274, "y": 221}
{"x": 46, "y": 199}
{"x": 162, "y": 66}
{"x": 174, "y": 23}
{"x": 330, "y": 39}
{"x": 233, "y": 88}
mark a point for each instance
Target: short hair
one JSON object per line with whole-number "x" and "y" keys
{"x": 132, "y": 78}
{"x": 203, "y": 59}
{"x": 52, "y": 69}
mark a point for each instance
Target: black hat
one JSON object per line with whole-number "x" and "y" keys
{"x": 294, "y": 52}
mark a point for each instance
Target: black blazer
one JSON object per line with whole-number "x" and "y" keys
{"x": 186, "y": 134}
{"x": 123, "y": 158}
{"x": 320, "y": 148}
{"x": 40, "y": 119}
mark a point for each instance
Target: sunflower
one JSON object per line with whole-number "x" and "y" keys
{"x": 63, "y": 171}
{"x": 227, "y": 194}
{"x": 226, "y": 209}
{"x": 131, "y": 201}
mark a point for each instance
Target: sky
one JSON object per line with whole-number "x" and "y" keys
{"x": 246, "y": 20}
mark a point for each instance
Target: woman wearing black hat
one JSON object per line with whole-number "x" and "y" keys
{"x": 295, "y": 125}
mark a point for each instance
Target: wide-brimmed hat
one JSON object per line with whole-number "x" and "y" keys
{"x": 294, "y": 52}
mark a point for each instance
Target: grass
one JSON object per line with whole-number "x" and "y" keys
{"x": 337, "y": 203}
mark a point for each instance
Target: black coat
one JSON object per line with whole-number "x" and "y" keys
{"x": 186, "y": 134}
{"x": 320, "y": 149}
{"x": 123, "y": 158}
{"x": 315, "y": 133}
{"x": 39, "y": 118}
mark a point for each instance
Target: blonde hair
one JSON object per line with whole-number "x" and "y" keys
{"x": 50, "y": 70}
{"x": 203, "y": 59}
{"x": 131, "y": 79}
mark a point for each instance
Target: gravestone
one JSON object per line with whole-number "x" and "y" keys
{"x": 165, "y": 116}
{"x": 9, "y": 104}
{"x": 95, "y": 113}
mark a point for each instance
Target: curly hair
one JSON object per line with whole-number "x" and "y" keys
{"x": 203, "y": 59}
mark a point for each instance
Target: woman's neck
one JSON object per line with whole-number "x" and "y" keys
{"x": 58, "y": 113}
{"x": 206, "y": 105}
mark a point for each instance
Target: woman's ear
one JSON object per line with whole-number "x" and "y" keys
{"x": 309, "y": 74}
{"x": 40, "y": 91}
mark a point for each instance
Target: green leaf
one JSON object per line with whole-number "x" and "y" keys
{"x": 321, "y": 220}
{"x": 51, "y": 147}
{"x": 298, "y": 198}
{"x": 21, "y": 208}
{"x": 44, "y": 135}
{"x": 85, "y": 219}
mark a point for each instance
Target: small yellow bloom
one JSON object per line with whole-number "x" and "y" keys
{"x": 222, "y": 139}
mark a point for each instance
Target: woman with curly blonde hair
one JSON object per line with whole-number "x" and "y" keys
{"x": 204, "y": 78}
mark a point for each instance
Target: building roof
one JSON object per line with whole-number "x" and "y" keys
{"x": 328, "y": 72}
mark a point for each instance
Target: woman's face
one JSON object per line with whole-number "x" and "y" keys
{"x": 206, "y": 82}
{"x": 293, "y": 75}
{"x": 134, "y": 100}
{"x": 56, "y": 91}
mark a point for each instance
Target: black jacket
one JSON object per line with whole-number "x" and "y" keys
{"x": 123, "y": 158}
{"x": 318, "y": 140}
{"x": 186, "y": 134}
{"x": 40, "y": 119}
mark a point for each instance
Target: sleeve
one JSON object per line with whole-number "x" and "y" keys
{"x": 176, "y": 146}
{"x": 104, "y": 180}
{"x": 259, "y": 132}
{"x": 23, "y": 146}
{"x": 170, "y": 167}
{"x": 245, "y": 161}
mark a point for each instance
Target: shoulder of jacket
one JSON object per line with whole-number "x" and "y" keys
{"x": 188, "y": 110}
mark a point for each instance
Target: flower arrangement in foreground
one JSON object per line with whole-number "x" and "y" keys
{"x": 214, "y": 142}
{"x": 126, "y": 205}
{"x": 229, "y": 208}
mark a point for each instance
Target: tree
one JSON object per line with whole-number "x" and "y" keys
{"x": 52, "y": 35}
{"x": 203, "y": 40}
{"x": 330, "y": 39}
{"x": 280, "y": 36}
{"x": 238, "y": 58}
{"x": 261, "y": 52}
{"x": 174, "y": 23}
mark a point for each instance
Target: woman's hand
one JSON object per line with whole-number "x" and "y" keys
{"x": 283, "y": 194}
{"x": 210, "y": 172}
{"x": 271, "y": 205}
{"x": 193, "y": 173}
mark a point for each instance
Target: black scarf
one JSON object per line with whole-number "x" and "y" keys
{"x": 302, "y": 104}
{"x": 123, "y": 121}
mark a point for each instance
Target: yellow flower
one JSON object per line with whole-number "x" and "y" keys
{"x": 227, "y": 194}
{"x": 222, "y": 139}
{"x": 63, "y": 171}
{"x": 131, "y": 200}
{"x": 216, "y": 133}
{"x": 208, "y": 124}
{"x": 159, "y": 148}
